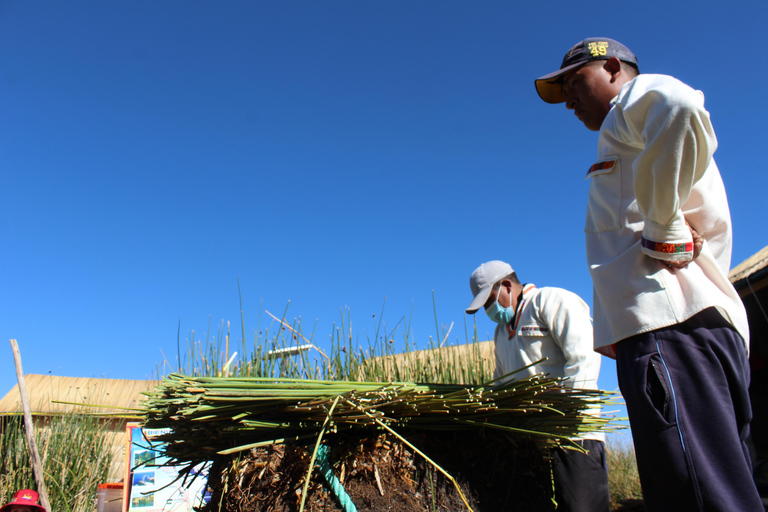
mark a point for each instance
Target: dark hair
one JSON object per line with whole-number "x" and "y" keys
{"x": 511, "y": 277}
{"x": 626, "y": 67}
{"x": 630, "y": 69}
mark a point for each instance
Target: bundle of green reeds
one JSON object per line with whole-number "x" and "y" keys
{"x": 211, "y": 416}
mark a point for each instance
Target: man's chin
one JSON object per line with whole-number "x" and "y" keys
{"x": 591, "y": 126}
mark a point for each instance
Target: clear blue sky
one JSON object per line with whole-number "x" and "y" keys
{"x": 331, "y": 153}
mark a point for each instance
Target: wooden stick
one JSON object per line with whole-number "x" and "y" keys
{"x": 298, "y": 334}
{"x": 37, "y": 465}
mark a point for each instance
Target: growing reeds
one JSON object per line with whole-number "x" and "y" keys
{"x": 386, "y": 354}
{"x": 76, "y": 453}
{"x": 623, "y": 478}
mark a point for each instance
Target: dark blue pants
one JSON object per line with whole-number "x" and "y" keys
{"x": 581, "y": 479}
{"x": 686, "y": 390}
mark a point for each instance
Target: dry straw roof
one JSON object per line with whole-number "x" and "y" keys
{"x": 469, "y": 353}
{"x": 44, "y": 390}
{"x": 755, "y": 268}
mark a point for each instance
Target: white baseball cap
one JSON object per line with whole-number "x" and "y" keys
{"x": 482, "y": 280}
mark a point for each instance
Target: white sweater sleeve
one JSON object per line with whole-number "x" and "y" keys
{"x": 667, "y": 120}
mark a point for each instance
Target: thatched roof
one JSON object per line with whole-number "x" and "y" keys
{"x": 468, "y": 359}
{"x": 44, "y": 390}
{"x": 484, "y": 350}
{"x": 751, "y": 273}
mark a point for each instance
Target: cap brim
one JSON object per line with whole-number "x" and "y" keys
{"x": 479, "y": 300}
{"x": 7, "y": 506}
{"x": 550, "y": 87}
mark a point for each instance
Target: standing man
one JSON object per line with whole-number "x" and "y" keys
{"x": 552, "y": 323}
{"x": 658, "y": 238}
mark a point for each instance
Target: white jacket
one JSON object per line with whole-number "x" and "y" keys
{"x": 552, "y": 323}
{"x": 654, "y": 170}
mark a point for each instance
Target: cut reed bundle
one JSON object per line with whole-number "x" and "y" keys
{"x": 211, "y": 416}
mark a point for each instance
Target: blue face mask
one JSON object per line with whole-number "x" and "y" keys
{"x": 499, "y": 314}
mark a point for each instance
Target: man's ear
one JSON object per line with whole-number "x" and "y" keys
{"x": 613, "y": 66}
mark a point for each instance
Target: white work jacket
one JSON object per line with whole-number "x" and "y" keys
{"x": 654, "y": 170}
{"x": 549, "y": 323}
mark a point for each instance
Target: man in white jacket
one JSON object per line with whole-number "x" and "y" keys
{"x": 658, "y": 238}
{"x": 552, "y": 324}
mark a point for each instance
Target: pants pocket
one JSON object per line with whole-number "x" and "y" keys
{"x": 658, "y": 389}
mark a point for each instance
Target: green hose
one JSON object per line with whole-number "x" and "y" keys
{"x": 325, "y": 468}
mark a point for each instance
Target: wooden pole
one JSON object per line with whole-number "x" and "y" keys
{"x": 37, "y": 465}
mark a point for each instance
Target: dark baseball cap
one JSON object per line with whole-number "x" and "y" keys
{"x": 549, "y": 86}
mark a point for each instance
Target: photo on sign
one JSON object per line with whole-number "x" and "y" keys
{"x": 142, "y": 457}
{"x": 143, "y": 478}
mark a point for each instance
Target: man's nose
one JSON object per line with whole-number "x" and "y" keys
{"x": 570, "y": 102}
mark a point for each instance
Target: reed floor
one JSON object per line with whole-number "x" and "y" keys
{"x": 496, "y": 472}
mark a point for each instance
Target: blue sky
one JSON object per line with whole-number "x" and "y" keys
{"x": 339, "y": 154}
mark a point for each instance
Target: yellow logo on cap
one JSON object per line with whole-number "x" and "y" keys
{"x": 598, "y": 48}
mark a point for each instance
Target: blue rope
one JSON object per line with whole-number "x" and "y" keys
{"x": 325, "y": 469}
